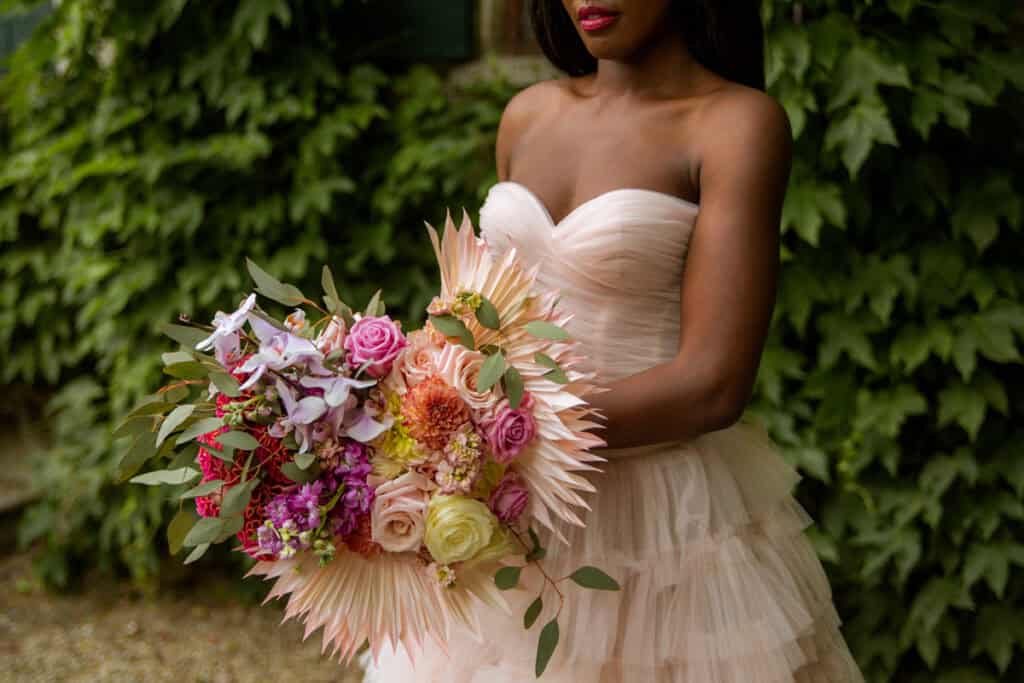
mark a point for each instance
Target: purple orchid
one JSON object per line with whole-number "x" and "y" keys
{"x": 224, "y": 339}
{"x": 300, "y": 414}
{"x": 361, "y": 426}
{"x": 336, "y": 389}
{"x": 279, "y": 349}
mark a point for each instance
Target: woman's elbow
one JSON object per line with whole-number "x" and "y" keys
{"x": 725, "y": 402}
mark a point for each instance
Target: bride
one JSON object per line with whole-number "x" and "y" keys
{"x": 659, "y": 149}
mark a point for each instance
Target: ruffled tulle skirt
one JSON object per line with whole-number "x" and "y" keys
{"x": 719, "y": 585}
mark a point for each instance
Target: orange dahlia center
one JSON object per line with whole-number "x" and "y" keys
{"x": 432, "y": 411}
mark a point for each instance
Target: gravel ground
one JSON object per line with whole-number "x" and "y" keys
{"x": 107, "y": 634}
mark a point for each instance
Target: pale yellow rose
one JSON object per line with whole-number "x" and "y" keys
{"x": 458, "y": 528}
{"x": 503, "y": 544}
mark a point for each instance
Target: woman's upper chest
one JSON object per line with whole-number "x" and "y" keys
{"x": 577, "y": 152}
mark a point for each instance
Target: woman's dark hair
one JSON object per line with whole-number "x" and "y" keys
{"x": 725, "y": 36}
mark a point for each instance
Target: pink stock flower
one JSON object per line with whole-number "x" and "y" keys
{"x": 376, "y": 341}
{"x": 510, "y": 431}
{"x": 509, "y": 498}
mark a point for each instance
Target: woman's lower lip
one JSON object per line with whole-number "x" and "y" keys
{"x": 599, "y": 22}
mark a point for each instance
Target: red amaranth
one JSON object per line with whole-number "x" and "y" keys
{"x": 270, "y": 456}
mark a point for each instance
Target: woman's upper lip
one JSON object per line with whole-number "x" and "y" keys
{"x": 590, "y": 11}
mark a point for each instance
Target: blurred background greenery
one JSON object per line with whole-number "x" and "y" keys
{"x": 146, "y": 148}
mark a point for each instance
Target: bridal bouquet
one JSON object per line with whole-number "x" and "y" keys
{"x": 385, "y": 479}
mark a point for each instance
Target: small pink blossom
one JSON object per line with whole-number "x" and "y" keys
{"x": 376, "y": 340}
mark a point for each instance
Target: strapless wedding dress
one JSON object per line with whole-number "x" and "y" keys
{"x": 719, "y": 585}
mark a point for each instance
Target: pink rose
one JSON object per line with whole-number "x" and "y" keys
{"x": 509, "y": 498}
{"x": 399, "y": 509}
{"x": 333, "y": 337}
{"x": 510, "y": 431}
{"x": 377, "y": 340}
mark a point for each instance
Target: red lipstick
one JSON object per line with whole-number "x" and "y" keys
{"x": 595, "y": 17}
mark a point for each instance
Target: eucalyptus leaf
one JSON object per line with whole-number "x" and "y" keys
{"x": 133, "y": 426}
{"x": 291, "y": 470}
{"x": 179, "y": 528}
{"x": 376, "y": 307}
{"x": 594, "y": 578}
{"x": 546, "y": 645}
{"x": 186, "y": 336}
{"x": 171, "y": 477}
{"x": 141, "y": 450}
{"x": 327, "y": 282}
{"x": 186, "y": 457}
{"x": 177, "y": 394}
{"x": 487, "y": 315}
{"x": 152, "y": 406}
{"x": 272, "y": 288}
{"x": 513, "y": 383}
{"x": 176, "y": 357}
{"x": 450, "y": 326}
{"x": 237, "y": 498}
{"x": 555, "y": 372}
{"x": 205, "y": 530}
{"x": 226, "y": 384}
{"x": 507, "y": 577}
{"x": 188, "y": 370}
{"x": 173, "y": 421}
{"x": 532, "y": 612}
{"x": 200, "y": 427}
{"x": 545, "y": 330}
{"x": 204, "y": 489}
{"x": 231, "y": 527}
{"x": 243, "y": 441}
{"x": 490, "y": 372}
{"x": 304, "y": 460}
{"x": 197, "y": 552}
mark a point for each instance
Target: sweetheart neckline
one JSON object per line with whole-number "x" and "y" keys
{"x": 619, "y": 190}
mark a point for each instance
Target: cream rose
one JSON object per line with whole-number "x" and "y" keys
{"x": 397, "y": 517}
{"x": 459, "y": 367}
{"x": 419, "y": 358}
{"x": 458, "y": 528}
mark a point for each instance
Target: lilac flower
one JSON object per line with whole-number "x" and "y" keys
{"x": 278, "y": 350}
{"x": 269, "y": 539}
{"x": 305, "y": 504}
{"x": 227, "y": 325}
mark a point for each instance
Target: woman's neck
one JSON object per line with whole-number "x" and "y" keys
{"x": 664, "y": 68}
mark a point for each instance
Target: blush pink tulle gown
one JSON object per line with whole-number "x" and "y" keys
{"x": 718, "y": 583}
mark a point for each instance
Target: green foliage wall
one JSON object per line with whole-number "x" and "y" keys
{"x": 182, "y": 136}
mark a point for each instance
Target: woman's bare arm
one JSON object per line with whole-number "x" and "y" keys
{"x": 729, "y": 283}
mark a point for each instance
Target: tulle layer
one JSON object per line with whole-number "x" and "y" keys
{"x": 719, "y": 584}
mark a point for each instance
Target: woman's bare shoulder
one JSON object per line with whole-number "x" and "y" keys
{"x": 739, "y": 113}
{"x": 528, "y": 107}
